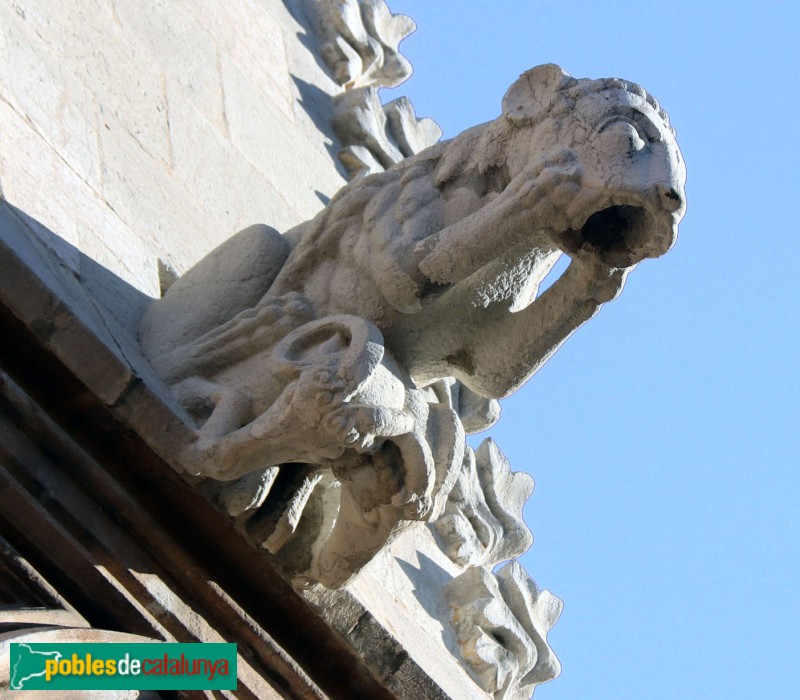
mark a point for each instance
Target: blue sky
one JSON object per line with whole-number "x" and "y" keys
{"x": 664, "y": 435}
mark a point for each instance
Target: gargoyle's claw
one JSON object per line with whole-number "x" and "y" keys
{"x": 358, "y": 425}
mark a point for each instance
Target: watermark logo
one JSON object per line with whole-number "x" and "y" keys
{"x": 107, "y": 666}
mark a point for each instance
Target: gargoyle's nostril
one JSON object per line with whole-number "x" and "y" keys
{"x": 670, "y": 198}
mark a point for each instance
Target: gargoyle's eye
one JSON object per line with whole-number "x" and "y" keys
{"x": 645, "y": 125}
{"x": 622, "y": 134}
{"x": 645, "y": 130}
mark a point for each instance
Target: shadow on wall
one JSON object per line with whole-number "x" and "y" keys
{"x": 100, "y": 284}
{"x": 318, "y": 104}
{"x": 303, "y": 11}
{"x": 429, "y": 581}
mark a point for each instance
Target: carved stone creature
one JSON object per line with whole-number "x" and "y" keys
{"x": 329, "y": 345}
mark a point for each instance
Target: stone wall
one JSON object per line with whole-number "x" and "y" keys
{"x": 141, "y": 131}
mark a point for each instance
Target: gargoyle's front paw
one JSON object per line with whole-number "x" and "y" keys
{"x": 196, "y": 457}
{"x": 360, "y": 425}
{"x": 603, "y": 282}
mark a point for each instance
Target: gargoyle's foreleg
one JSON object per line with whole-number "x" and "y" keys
{"x": 511, "y": 347}
{"x": 494, "y": 351}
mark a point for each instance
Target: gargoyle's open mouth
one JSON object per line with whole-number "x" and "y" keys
{"x": 610, "y": 228}
{"x": 620, "y": 234}
{"x": 614, "y": 231}
{"x": 621, "y": 228}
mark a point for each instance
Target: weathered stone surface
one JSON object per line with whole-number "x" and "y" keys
{"x": 37, "y": 287}
{"x": 411, "y": 133}
{"x": 360, "y": 44}
{"x": 185, "y": 50}
{"x": 225, "y": 185}
{"x": 360, "y": 120}
{"x": 42, "y": 87}
{"x": 386, "y": 631}
{"x": 333, "y": 372}
{"x": 162, "y": 212}
{"x": 403, "y": 588}
{"x": 299, "y": 171}
{"x": 72, "y": 208}
{"x": 253, "y": 35}
{"x": 343, "y": 355}
{"x": 443, "y": 591}
{"x": 87, "y": 38}
{"x": 148, "y": 152}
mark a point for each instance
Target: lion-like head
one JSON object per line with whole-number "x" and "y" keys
{"x": 593, "y": 164}
{"x": 589, "y": 168}
{"x": 613, "y": 143}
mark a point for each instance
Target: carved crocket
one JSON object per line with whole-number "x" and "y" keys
{"x": 336, "y": 343}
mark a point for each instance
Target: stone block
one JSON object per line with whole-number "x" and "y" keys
{"x": 226, "y": 186}
{"x": 184, "y": 49}
{"x": 60, "y": 108}
{"x": 402, "y": 588}
{"x": 277, "y": 34}
{"x": 277, "y": 148}
{"x": 154, "y": 205}
{"x": 80, "y": 219}
{"x": 88, "y": 43}
{"x": 35, "y": 290}
{"x": 253, "y": 38}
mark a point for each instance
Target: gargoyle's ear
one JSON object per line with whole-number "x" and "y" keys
{"x": 350, "y": 344}
{"x": 532, "y": 90}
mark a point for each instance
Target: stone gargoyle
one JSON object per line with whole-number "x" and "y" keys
{"x": 368, "y": 339}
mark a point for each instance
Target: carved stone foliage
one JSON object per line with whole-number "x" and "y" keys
{"x": 501, "y": 622}
{"x": 361, "y": 42}
{"x": 482, "y": 523}
{"x": 361, "y": 48}
{"x": 375, "y": 136}
{"x": 332, "y": 372}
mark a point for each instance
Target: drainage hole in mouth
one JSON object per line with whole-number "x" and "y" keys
{"x": 609, "y": 229}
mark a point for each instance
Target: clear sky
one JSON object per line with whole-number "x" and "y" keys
{"x": 664, "y": 436}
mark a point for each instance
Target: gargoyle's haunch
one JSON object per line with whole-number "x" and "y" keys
{"x": 335, "y": 344}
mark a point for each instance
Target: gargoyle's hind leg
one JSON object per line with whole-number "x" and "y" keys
{"x": 233, "y": 277}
